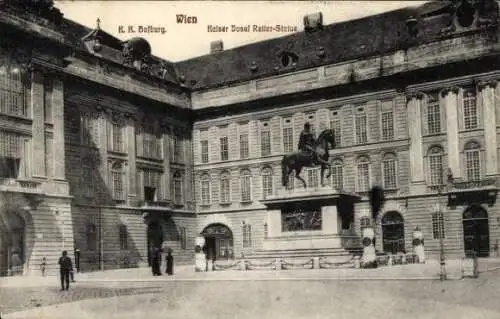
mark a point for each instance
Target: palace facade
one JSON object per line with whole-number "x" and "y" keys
{"x": 110, "y": 150}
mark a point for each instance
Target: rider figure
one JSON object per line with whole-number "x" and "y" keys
{"x": 306, "y": 143}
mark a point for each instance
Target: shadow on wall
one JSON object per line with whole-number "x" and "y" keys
{"x": 100, "y": 234}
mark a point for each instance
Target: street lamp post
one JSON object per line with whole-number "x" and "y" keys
{"x": 442, "y": 258}
{"x": 440, "y": 220}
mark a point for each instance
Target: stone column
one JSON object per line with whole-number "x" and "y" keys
{"x": 37, "y": 106}
{"x": 58, "y": 118}
{"x": 414, "y": 111}
{"x": 488, "y": 97}
{"x": 451, "y": 104}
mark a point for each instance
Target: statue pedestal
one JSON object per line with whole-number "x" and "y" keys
{"x": 308, "y": 219}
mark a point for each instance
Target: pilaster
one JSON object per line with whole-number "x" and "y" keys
{"x": 104, "y": 166}
{"x": 37, "y": 107}
{"x": 131, "y": 155}
{"x": 487, "y": 90}
{"x": 451, "y": 105}
{"x": 58, "y": 118}
{"x": 414, "y": 111}
{"x": 166, "y": 145}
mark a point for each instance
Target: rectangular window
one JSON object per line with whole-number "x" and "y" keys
{"x": 312, "y": 177}
{"x": 288, "y": 139}
{"x": 224, "y": 148}
{"x": 204, "y": 151}
{"x": 177, "y": 189}
{"x": 389, "y": 166}
{"x": 183, "y": 237}
{"x": 436, "y": 169}
{"x": 337, "y": 176}
{"x": 265, "y": 142}
{"x": 470, "y": 111}
{"x": 151, "y": 181}
{"x": 244, "y": 146}
{"x": 205, "y": 192}
{"x": 12, "y": 97}
{"x": 89, "y": 129}
{"x": 473, "y": 165}
{"x": 177, "y": 149}
{"x": 387, "y": 119}
{"x": 336, "y": 126}
{"x": 246, "y": 188}
{"x": 361, "y": 128}
{"x": 11, "y": 148}
{"x": 433, "y": 117}
{"x": 267, "y": 184}
{"x": 247, "y": 236}
{"x": 118, "y": 189}
{"x": 225, "y": 189}
{"x": 123, "y": 238}
{"x": 117, "y": 137}
{"x": 438, "y": 225}
{"x": 151, "y": 144}
{"x": 363, "y": 177}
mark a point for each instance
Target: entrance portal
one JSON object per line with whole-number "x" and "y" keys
{"x": 218, "y": 242}
{"x": 476, "y": 232}
{"x": 393, "y": 232}
{"x": 12, "y": 250}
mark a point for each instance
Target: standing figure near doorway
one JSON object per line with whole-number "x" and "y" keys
{"x": 65, "y": 267}
{"x": 155, "y": 262}
{"x": 170, "y": 263}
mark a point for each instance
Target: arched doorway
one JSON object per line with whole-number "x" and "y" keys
{"x": 12, "y": 244}
{"x": 218, "y": 241}
{"x": 155, "y": 238}
{"x": 476, "y": 232}
{"x": 393, "y": 232}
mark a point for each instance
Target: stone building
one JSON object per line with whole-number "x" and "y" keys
{"x": 111, "y": 150}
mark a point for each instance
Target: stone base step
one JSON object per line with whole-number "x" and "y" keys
{"x": 303, "y": 253}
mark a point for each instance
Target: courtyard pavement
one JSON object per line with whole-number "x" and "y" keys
{"x": 467, "y": 299}
{"x": 428, "y": 271}
{"x": 313, "y": 293}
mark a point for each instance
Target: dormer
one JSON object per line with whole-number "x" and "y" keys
{"x": 97, "y": 38}
{"x": 469, "y": 15}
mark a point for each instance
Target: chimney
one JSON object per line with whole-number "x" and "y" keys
{"x": 313, "y": 21}
{"x": 216, "y": 46}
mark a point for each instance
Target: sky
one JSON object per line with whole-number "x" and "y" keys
{"x": 182, "y": 41}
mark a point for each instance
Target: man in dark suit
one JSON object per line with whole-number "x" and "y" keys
{"x": 306, "y": 143}
{"x": 65, "y": 268}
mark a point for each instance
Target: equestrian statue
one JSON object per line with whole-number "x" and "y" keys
{"x": 312, "y": 152}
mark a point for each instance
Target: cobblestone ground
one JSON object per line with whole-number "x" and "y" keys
{"x": 470, "y": 298}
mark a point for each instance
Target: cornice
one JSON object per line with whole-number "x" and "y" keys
{"x": 483, "y": 84}
{"x": 299, "y": 108}
{"x": 458, "y": 81}
{"x": 453, "y": 89}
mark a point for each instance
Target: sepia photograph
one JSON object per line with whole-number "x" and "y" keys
{"x": 249, "y": 159}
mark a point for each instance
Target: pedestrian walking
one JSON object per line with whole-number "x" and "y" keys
{"x": 65, "y": 268}
{"x": 43, "y": 265}
{"x": 170, "y": 263}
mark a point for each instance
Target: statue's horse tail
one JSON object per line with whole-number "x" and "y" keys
{"x": 284, "y": 171}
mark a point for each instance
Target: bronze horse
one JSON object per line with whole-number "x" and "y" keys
{"x": 296, "y": 161}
